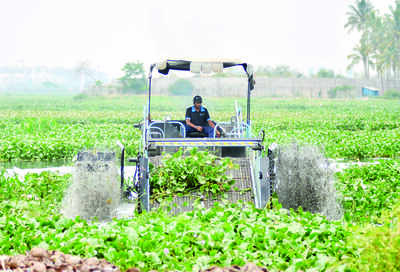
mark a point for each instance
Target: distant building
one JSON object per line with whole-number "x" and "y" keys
{"x": 369, "y": 91}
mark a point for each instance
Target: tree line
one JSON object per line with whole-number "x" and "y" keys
{"x": 379, "y": 46}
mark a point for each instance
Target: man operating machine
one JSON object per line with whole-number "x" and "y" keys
{"x": 198, "y": 120}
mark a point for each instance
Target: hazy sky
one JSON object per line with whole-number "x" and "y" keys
{"x": 306, "y": 34}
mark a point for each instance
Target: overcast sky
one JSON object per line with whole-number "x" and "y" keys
{"x": 305, "y": 34}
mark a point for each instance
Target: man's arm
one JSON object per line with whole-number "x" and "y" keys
{"x": 190, "y": 124}
{"x": 211, "y": 123}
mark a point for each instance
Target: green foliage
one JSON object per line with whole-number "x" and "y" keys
{"x": 392, "y": 94}
{"x": 47, "y": 128}
{"x": 182, "y": 174}
{"x": 181, "y": 87}
{"x": 80, "y": 96}
{"x": 359, "y": 17}
{"x": 28, "y": 208}
{"x": 278, "y": 71}
{"x": 369, "y": 190}
{"x": 99, "y": 83}
{"x": 340, "y": 91}
{"x": 134, "y": 80}
{"x": 46, "y": 138}
{"x": 64, "y": 142}
{"x": 325, "y": 73}
{"x": 379, "y": 45}
{"x": 53, "y": 128}
{"x": 45, "y": 186}
{"x": 376, "y": 248}
{"x": 223, "y": 235}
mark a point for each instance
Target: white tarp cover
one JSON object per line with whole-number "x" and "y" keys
{"x": 206, "y": 67}
{"x": 197, "y": 65}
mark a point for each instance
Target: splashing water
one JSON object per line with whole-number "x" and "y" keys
{"x": 95, "y": 188}
{"x": 305, "y": 178}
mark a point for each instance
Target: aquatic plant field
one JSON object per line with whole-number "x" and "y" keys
{"x": 367, "y": 238}
{"x": 55, "y": 128}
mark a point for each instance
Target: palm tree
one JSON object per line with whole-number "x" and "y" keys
{"x": 361, "y": 52}
{"x": 359, "y": 15}
{"x": 380, "y": 44}
{"x": 394, "y": 19}
{"x": 358, "y": 18}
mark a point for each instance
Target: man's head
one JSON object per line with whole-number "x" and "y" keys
{"x": 197, "y": 100}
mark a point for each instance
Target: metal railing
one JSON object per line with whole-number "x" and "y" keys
{"x": 182, "y": 127}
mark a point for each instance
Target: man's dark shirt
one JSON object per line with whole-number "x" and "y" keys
{"x": 198, "y": 118}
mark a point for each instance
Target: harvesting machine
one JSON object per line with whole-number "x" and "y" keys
{"x": 254, "y": 179}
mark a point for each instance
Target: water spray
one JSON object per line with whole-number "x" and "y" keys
{"x": 95, "y": 190}
{"x": 305, "y": 178}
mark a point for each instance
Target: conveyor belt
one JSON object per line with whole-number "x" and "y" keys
{"x": 241, "y": 190}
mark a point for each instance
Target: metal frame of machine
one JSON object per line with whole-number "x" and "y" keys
{"x": 155, "y": 137}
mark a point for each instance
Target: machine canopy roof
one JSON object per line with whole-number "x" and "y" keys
{"x": 197, "y": 66}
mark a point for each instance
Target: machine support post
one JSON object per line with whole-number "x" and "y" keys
{"x": 138, "y": 186}
{"x": 122, "y": 163}
{"x": 144, "y": 185}
{"x": 271, "y": 170}
{"x": 148, "y": 102}
{"x": 248, "y": 102}
{"x": 122, "y": 167}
